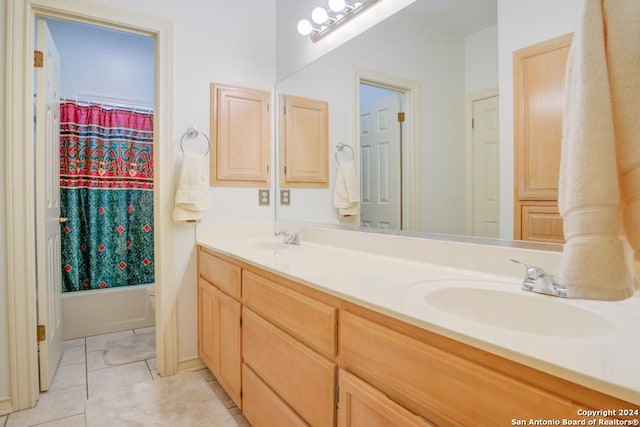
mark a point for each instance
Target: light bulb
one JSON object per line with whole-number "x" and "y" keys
{"x": 305, "y": 27}
{"x": 337, "y": 5}
{"x": 319, "y": 15}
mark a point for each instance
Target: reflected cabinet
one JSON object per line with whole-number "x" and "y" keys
{"x": 539, "y": 83}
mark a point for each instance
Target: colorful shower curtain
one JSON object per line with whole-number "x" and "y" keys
{"x": 106, "y": 192}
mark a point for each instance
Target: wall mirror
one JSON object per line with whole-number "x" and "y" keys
{"x": 434, "y": 61}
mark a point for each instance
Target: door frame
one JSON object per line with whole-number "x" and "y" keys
{"x": 20, "y": 191}
{"x": 411, "y": 142}
{"x": 470, "y": 98}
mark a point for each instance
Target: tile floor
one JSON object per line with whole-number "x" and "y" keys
{"x": 82, "y": 373}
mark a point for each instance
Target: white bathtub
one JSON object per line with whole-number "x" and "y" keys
{"x": 101, "y": 311}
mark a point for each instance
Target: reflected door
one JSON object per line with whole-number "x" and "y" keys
{"x": 486, "y": 180}
{"x": 380, "y": 159}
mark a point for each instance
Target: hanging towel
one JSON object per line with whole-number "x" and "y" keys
{"x": 192, "y": 191}
{"x": 599, "y": 188}
{"x": 346, "y": 191}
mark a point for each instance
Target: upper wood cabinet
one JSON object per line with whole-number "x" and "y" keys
{"x": 539, "y": 85}
{"x": 240, "y": 136}
{"x": 304, "y": 142}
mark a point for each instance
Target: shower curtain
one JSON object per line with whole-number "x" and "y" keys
{"x": 106, "y": 192}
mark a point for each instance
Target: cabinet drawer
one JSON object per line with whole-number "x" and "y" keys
{"x": 302, "y": 378}
{"x": 362, "y": 405}
{"x": 262, "y": 407}
{"x": 439, "y": 385}
{"x": 310, "y": 321}
{"x": 224, "y": 275}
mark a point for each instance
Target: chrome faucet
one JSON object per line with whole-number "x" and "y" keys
{"x": 538, "y": 280}
{"x": 289, "y": 239}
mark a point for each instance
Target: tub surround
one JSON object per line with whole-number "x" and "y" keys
{"x": 381, "y": 273}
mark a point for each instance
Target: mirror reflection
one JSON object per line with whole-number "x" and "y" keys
{"x": 402, "y": 97}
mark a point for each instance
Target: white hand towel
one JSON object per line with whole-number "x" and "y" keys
{"x": 192, "y": 191}
{"x": 346, "y": 190}
{"x": 598, "y": 132}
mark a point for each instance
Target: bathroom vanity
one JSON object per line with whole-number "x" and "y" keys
{"x": 318, "y": 335}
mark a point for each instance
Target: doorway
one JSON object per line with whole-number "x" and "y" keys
{"x": 21, "y": 247}
{"x": 99, "y": 189}
{"x": 387, "y": 117}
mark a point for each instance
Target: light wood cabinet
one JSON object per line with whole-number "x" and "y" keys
{"x": 240, "y": 136}
{"x": 385, "y": 371}
{"x": 304, "y": 142}
{"x": 361, "y": 405}
{"x": 539, "y": 85}
{"x": 219, "y": 328}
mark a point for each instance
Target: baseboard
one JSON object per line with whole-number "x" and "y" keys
{"x": 5, "y": 406}
{"x": 191, "y": 364}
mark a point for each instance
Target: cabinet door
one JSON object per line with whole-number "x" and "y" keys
{"x": 539, "y": 85}
{"x": 229, "y": 375}
{"x": 361, "y": 405}
{"x": 542, "y": 223}
{"x": 240, "y": 136}
{"x": 304, "y": 133}
{"x": 208, "y": 343}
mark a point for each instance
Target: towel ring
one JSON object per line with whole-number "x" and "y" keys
{"x": 193, "y": 133}
{"x": 340, "y": 146}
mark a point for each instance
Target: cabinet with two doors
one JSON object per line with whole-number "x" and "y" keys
{"x": 289, "y": 354}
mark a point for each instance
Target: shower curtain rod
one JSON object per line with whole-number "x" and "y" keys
{"x": 126, "y": 107}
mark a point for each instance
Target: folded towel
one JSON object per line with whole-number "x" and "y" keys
{"x": 192, "y": 191}
{"x": 346, "y": 190}
{"x": 599, "y": 130}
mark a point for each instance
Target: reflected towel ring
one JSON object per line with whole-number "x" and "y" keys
{"x": 193, "y": 133}
{"x": 340, "y": 146}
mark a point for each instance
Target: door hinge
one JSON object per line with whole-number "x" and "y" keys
{"x": 38, "y": 59}
{"x": 401, "y": 117}
{"x": 241, "y": 321}
{"x": 42, "y": 333}
{"x": 285, "y": 170}
{"x": 337, "y": 394}
{"x": 473, "y": 123}
{"x": 284, "y": 110}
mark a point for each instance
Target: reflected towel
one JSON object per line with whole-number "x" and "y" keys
{"x": 192, "y": 191}
{"x": 346, "y": 190}
{"x": 600, "y": 147}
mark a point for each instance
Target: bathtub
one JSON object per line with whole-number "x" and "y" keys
{"x": 101, "y": 311}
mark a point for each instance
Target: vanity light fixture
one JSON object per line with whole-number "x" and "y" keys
{"x": 324, "y": 21}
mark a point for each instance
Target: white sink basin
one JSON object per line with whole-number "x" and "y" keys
{"x": 505, "y": 305}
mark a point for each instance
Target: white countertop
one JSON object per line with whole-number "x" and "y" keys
{"x": 609, "y": 361}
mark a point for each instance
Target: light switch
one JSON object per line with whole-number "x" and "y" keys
{"x": 263, "y": 197}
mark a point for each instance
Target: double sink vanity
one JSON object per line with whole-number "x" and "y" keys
{"x": 353, "y": 328}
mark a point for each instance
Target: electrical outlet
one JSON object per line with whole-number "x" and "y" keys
{"x": 264, "y": 197}
{"x": 285, "y": 198}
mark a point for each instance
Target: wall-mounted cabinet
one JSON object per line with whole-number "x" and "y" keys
{"x": 240, "y": 136}
{"x": 539, "y": 84}
{"x": 304, "y": 142}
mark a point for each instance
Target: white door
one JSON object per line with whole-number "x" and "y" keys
{"x": 380, "y": 161}
{"x": 47, "y": 181}
{"x": 486, "y": 179}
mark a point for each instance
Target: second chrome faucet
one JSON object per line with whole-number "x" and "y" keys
{"x": 538, "y": 280}
{"x": 288, "y": 239}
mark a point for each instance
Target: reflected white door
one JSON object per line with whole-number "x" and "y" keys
{"x": 486, "y": 178}
{"x": 47, "y": 182}
{"x": 381, "y": 191}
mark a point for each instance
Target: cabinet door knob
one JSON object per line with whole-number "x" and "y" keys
{"x": 62, "y": 220}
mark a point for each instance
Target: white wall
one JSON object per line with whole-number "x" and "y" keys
{"x": 4, "y": 338}
{"x": 481, "y": 60}
{"x": 104, "y": 62}
{"x": 522, "y": 23}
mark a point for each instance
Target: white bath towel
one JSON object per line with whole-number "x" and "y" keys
{"x": 192, "y": 191}
{"x": 600, "y": 149}
{"x": 346, "y": 190}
